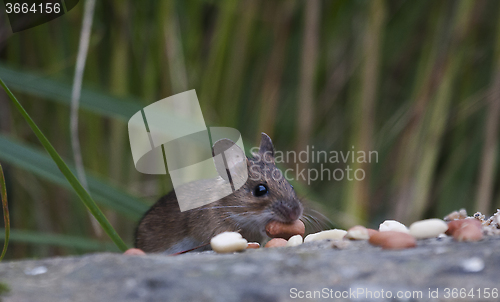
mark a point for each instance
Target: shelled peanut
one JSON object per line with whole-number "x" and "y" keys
{"x": 393, "y": 240}
{"x": 277, "y": 229}
{"x": 469, "y": 229}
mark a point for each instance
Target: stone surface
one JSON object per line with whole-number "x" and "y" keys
{"x": 261, "y": 274}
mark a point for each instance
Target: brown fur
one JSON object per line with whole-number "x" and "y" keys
{"x": 165, "y": 229}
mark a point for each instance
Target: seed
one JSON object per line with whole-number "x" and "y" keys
{"x": 393, "y": 225}
{"x": 294, "y": 240}
{"x": 457, "y": 224}
{"x": 276, "y": 229}
{"x": 393, "y": 240}
{"x": 468, "y": 232}
{"x": 428, "y": 228}
{"x": 134, "y": 252}
{"x": 461, "y": 214}
{"x": 357, "y": 232}
{"x": 253, "y": 245}
{"x": 371, "y": 232}
{"x": 228, "y": 242}
{"x": 330, "y": 234}
{"x": 276, "y": 242}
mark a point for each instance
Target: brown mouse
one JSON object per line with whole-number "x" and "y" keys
{"x": 266, "y": 196}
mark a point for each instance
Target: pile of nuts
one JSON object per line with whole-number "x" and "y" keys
{"x": 490, "y": 226}
{"x": 390, "y": 235}
{"x": 395, "y": 235}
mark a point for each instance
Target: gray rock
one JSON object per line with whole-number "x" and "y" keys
{"x": 277, "y": 274}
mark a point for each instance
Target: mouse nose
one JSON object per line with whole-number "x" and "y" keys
{"x": 289, "y": 212}
{"x": 294, "y": 213}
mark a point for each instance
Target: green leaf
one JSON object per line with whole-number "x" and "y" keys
{"x": 33, "y": 84}
{"x": 59, "y": 240}
{"x": 82, "y": 193}
{"x": 40, "y": 164}
{"x": 97, "y": 102}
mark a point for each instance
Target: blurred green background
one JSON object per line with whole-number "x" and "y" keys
{"x": 416, "y": 81}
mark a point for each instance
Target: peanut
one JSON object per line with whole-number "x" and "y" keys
{"x": 253, "y": 245}
{"x": 468, "y": 232}
{"x": 393, "y": 240}
{"x": 428, "y": 228}
{"x": 457, "y": 224}
{"x": 294, "y": 240}
{"x": 330, "y": 234}
{"x": 134, "y": 252}
{"x": 357, "y": 232}
{"x": 276, "y": 229}
{"x": 371, "y": 232}
{"x": 228, "y": 242}
{"x": 393, "y": 225}
{"x": 276, "y": 242}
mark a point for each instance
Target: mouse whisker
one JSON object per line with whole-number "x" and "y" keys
{"x": 304, "y": 219}
{"x": 308, "y": 221}
{"x": 240, "y": 223}
{"x": 321, "y": 222}
{"x": 233, "y": 215}
{"x": 323, "y": 216}
{"x": 314, "y": 223}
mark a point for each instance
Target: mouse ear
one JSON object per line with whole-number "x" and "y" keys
{"x": 228, "y": 158}
{"x": 266, "y": 148}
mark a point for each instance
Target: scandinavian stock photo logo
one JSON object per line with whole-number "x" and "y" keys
{"x": 171, "y": 135}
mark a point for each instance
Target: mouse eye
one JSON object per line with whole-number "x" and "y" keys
{"x": 260, "y": 190}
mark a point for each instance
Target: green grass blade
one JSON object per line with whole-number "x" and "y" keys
{"x": 6, "y": 217}
{"x": 41, "y": 238}
{"x": 80, "y": 191}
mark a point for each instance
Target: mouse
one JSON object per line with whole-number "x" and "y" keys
{"x": 264, "y": 197}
